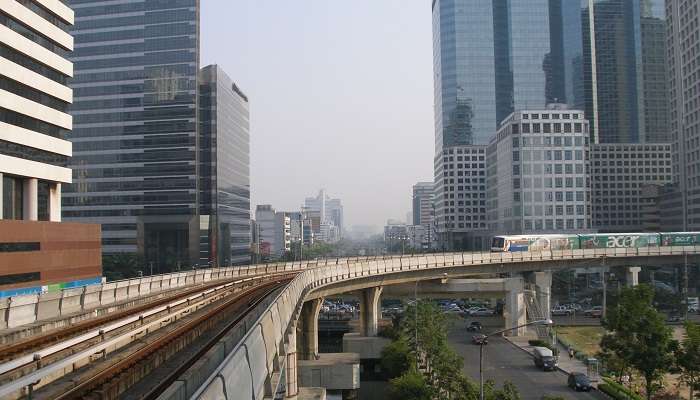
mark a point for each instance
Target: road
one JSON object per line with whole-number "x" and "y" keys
{"x": 503, "y": 362}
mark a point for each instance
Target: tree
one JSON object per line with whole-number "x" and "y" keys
{"x": 638, "y": 336}
{"x": 121, "y": 266}
{"x": 688, "y": 357}
{"x": 397, "y": 358}
{"x": 410, "y": 386}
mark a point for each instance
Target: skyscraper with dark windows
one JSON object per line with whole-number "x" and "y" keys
{"x": 629, "y": 80}
{"x": 224, "y": 169}
{"x": 135, "y": 147}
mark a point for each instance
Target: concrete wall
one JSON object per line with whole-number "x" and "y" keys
{"x": 19, "y": 311}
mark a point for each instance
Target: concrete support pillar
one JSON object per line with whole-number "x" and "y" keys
{"x": 292, "y": 384}
{"x": 1, "y": 196}
{"x": 370, "y": 311}
{"x": 515, "y": 312}
{"x": 55, "y": 202}
{"x": 31, "y": 199}
{"x": 308, "y": 320}
{"x": 632, "y": 276}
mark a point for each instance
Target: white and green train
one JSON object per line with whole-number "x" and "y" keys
{"x": 592, "y": 241}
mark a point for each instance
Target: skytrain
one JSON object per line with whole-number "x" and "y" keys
{"x": 513, "y": 243}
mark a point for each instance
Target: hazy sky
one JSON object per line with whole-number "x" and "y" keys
{"x": 341, "y": 97}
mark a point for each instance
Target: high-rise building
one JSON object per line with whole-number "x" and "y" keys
{"x": 619, "y": 172}
{"x": 36, "y": 248}
{"x": 224, "y": 169}
{"x": 628, "y": 52}
{"x": 683, "y": 44}
{"x": 135, "y": 142}
{"x": 460, "y": 198}
{"x": 492, "y": 58}
{"x": 537, "y": 179}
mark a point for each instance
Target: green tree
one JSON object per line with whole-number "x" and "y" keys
{"x": 637, "y": 334}
{"x": 688, "y": 357}
{"x": 397, "y": 358}
{"x": 410, "y": 386}
{"x": 121, "y": 266}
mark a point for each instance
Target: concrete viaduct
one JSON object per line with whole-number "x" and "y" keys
{"x": 273, "y": 353}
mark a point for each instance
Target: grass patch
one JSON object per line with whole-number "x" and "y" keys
{"x": 583, "y": 338}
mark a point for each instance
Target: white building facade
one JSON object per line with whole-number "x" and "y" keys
{"x": 34, "y": 101}
{"x": 538, "y": 165}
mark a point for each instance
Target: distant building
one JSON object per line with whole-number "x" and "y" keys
{"x": 265, "y": 218}
{"x": 537, "y": 173}
{"x": 224, "y": 170}
{"x": 326, "y": 215}
{"x": 283, "y": 235}
{"x": 423, "y": 208}
{"x": 619, "y": 172}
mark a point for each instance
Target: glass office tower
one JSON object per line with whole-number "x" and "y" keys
{"x": 492, "y": 57}
{"x": 630, "y": 78}
{"x": 224, "y": 170}
{"x": 135, "y": 132}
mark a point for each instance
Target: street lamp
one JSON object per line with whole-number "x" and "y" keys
{"x": 481, "y": 349}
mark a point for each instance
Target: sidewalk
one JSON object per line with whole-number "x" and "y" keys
{"x": 566, "y": 364}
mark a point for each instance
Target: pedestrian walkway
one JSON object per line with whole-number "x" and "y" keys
{"x": 566, "y": 364}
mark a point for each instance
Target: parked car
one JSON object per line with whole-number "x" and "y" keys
{"x": 482, "y": 312}
{"x": 480, "y": 339}
{"x": 475, "y": 326}
{"x": 544, "y": 358}
{"x": 579, "y": 382}
{"x": 562, "y": 310}
{"x": 693, "y": 308}
{"x": 596, "y": 311}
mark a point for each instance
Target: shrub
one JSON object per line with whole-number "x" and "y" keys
{"x": 538, "y": 343}
{"x": 623, "y": 392}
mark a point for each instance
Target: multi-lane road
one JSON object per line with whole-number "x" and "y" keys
{"x": 505, "y": 362}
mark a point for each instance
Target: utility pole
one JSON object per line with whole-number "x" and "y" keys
{"x": 685, "y": 285}
{"x": 605, "y": 291}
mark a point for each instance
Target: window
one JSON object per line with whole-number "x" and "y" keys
{"x": 12, "y": 197}
{"x": 526, "y": 128}
{"x": 547, "y": 128}
{"x": 17, "y": 247}
{"x": 516, "y": 129}
{"x": 19, "y": 278}
{"x": 516, "y": 142}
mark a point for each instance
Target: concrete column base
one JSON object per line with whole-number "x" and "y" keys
{"x": 333, "y": 371}
{"x": 311, "y": 393}
{"x": 368, "y": 347}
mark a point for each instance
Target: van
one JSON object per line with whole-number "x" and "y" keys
{"x": 544, "y": 358}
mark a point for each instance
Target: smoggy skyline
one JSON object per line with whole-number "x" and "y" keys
{"x": 341, "y": 98}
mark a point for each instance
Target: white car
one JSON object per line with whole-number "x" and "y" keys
{"x": 482, "y": 312}
{"x": 561, "y": 310}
